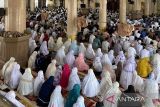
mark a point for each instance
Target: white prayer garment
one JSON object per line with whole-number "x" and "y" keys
{"x": 70, "y": 58}
{"x": 51, "y": 43}
{"x": 51, "y": 69}
{"x": 89, "y": 81}
{"x": 79, "y": 102}
{"x": 25, "y": 86}
{"x": 73, "y": 79}
{"x": 32, "y": 59}
{"x": 127, "y": 73}
{"x": 111, "y": 56}
{"x": 44, "y": 48}
{"x": 90, "y": 54}
{"x": 97, "y": 64}
{"x": 15, "y": 77}
{"x": 105, "y": 46}
{"x": 120, "y": 58}
{"x": 41, "y": 38}
{"x": 32, "y": 47}
{"x": 131, "y": 52}
{"x": 56, "y": 99}
{"x": 59, "y": 44}
{"x": 91, "y": 39}
{"x": 39, "y": 80}
{"x": 106, "y": 60}
{"x": 99, "y": 53}
{"x": 114, "y": 92}
{"x": 60, "y": 56}
{"x": 82, "y": 49}
{"x": 67, "y": 45}
{"x": 11, "y": 96}
{"x": 144, "y": 53}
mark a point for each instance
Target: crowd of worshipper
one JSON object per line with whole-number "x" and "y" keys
{"x": 95, "y": 65}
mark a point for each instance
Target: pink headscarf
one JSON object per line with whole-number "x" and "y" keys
{"x": 65, "y": 76}
{"x": 80, "y": 63}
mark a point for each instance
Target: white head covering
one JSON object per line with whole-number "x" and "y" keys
{"x": 51, "y": 69}
{"x": 145, "y": 53}
{"x": 120, "y": 57}
{"x": 97, "y": 64}
{"x": 99, "y": 53}
{"x": 11, "y": 96}
{"x": 32, "y": 46}
{"x": 111, "y": 56}
{"x": 39, "y": 80}
{"x": 131, "y": 52}
{"x": 89, "y": 81}
{"x": 91, "y": 39}
{"x": 25, "y": 86}
{"x": 90, "y": 54}
{"x": 32, "y": 59}
{"x": 80, "y": 102}
{"x": 60, "y": 56}
{"x": 41, "y": 38}
{"x": 59, "y": 43}
{"x": 106, "y": 60}
{"x": 73, "y": 79}
{"x": 105, "y": 45}
{"x": 51, "y": 43}
{"x": 70, "y": 58}
{"x": 44, "y": 48}
{"x": 15, "y": 76}
{"x": 67, "y": 45}
{"x": 82, "y": 48}
{"x": 56, "y": 99}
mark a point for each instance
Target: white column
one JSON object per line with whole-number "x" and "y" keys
{"x": 66, "y": 3}
{"x": 122, "y": 16}
{"x": 147, "y": 3}
{"x": 15, "y": 19}
{"x": 103, "y": 14}
{"x": 72, "y": 18}
{"x": 32, "y": 5}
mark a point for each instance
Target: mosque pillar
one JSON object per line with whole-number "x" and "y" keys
{"x": 155, "y": 7}
{"x": 147, "y": 9}
{"x": 72, "y": 18}
{"x": 66, "y": 4}
{"x": 32, "y": 5}
{"x": 103, "y": 15}
{"x": 123, "y": 13}
{"x": 136, "y": 14}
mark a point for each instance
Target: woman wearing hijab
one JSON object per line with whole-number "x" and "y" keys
{"x": 67, "y": 45}
{"x": 80, "y": 63}
{"x": 41, "y": 38}
{"x": 32, "y": 46}
{"x": 91, "y": 38}
{"x": 111, "y": 56}
{"x": 105, "y": 60}
{"x": 57, "y": 76}
{"x": 39, "y": 80}
{"x": 51, "y": 69}
{"x": 120, "y": 58}
{"x": 59, "y": 44}
{"x": 99, "y": 53}
{"x": 56, "y": 99}
{"x": 97, "y": 65}
{"x": 32, "y": 59}
{"x": 80, "y": 102}
{"x": 65, "y": 76}
{"x": 105, "y": 46}
{"x": 44, "y": 48}
{"x": 82, "y": 49}
{"x": 51, "y": 43}
{"x": 60, "y": 56}
{"x": 15, "y": 77}
{"x": 25, "y": 86}
{"x": 73, "y": 79}
{"x": 73, "y": 96}
{"x": 70, "y": 58}
{"x": 90, "y": 54}
{"x": 115, "y": 92}
{"x": 74, "y": 47}
{"x": 127, "y": 72}
{"x": 96, "y": 43}
{"x": 45, "y": 92}
{"x": 89, "y": 81}
{"x": 11, "y": 96}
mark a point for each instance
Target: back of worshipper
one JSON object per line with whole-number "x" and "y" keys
{"x": 60, "y": 56}
{"x": 45, "y": 92}
{"x": 99, "y": 53}
{"x": 70, "y": 58}
{"x": 89, "y": 81}
{"x": 105, "y": 60}
{"x": 67, "y": 45}
{"x": 44, "y": 48}
{"x": 73, "y": 79}
{"x": 39, "y": 80}
{"x": 129, "y": 93}
{"x": 90, "y": 54}
{"x": 80, "y": 63}
{"x": 73, "y": 96}
{"x": 151, "y": 90}
{"x": 11, "y": 96}
{"x": 127, "y": 72}
{"x": 74, "y": 47}
{"x": 32, "y": 60}
{"x": 51, "y": 43}
{"x": 105, "y": 46}
{"x": 97, "y": 65}
{"x": 25, "y": 86}
{"x": 96, "y": 43}
{"x": 56, "y": 99}
{"x": 59, "y": 43}
{"x": 114, "y": 93}
{"x": 57, "y": 76}
{"x": 143, "y": 66}
{"x": 65, "y": 76}
{"x": 79, "y": 102}
{"x": 51, "y": 69}
{"x": 15, "y": 77}
{"x": 82, "y": 48}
